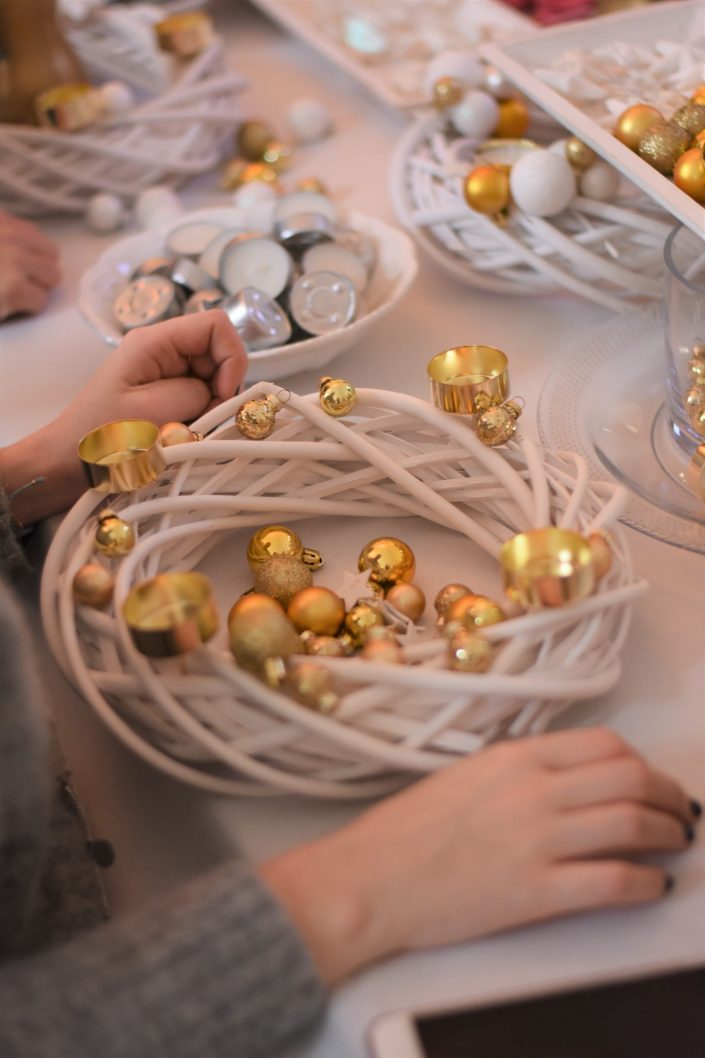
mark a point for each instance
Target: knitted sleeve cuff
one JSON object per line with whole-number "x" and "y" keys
{"x": 12, "y": 558}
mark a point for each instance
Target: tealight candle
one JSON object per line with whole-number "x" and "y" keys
{"x": 122, "y": 456}
{"x": 462, "y": 375}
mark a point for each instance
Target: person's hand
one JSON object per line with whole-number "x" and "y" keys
{"x": 29, "y": 268}
{"x": 521, "y": 831}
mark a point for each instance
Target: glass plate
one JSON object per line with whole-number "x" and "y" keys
{"x": 604, "y": 400}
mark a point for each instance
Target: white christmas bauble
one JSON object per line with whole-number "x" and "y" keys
{"x": 116, "y": 98}
{"x": 599, "y": 182}
{"x": 156, "y": 205}
{"x": 253, "y": 193}
{"x": 460, "y": 65}
{"x": 105, "y": 212}
{"x": 497, "y": 83}
{"x": 309, "y": 120}
{"x": 542, "y": 183}
{"x": 477, "y": 115}
{"x": 558, "y": 146}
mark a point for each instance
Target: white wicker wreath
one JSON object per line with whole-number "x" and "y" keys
{"x": 204, "y": 720}
{"x": 608, "y": 252}
{"x": 169, "y": 139}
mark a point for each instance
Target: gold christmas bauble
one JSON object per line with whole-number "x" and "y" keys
{"x": 408, "y": 599}
{"x": 634, "y": 122}
{"x": 698, "y": 351}
{"x": 447, "y": 595}
{"x": 282, "y": 577}
{"x": 696, "y": 370}
{"x": 347, "y": 642}
{"x": 259, "y": 629}
{"x": 311, "y": 183}
{"x": 312, "y": 686}
{"x": 273, "y": 541}
{"x": 695, "y": 397}
{"x": 601, "y": 553}
{"x": 689, "y": 174}
{"x": 389, "y": 561}
{"x": 255, "y": 418}
{"x": 580, "y": 156}
{"x": 318, "y": 610}
{"x": 323, "y": 646}
{"x": 662, "y": 145}
{"x": 690, "y": 117}
{"x": 253, "y": 138}
{"x": 93, "y": 586}
{"x": 384, "y": 651}
{"x": 697, "y": 419}
{"x": 513, "y": 119}
{"x": 238, "y": 172}
{"x": 446, "y": 92}
{"x": 486, "y": 189}
{"x": 278, "y": 155}
{"x": 114, "y": 537}
{"x": 496, "y": 426}
{"x": 474, "y": 611}
{"x": 699, "y": 140}
{"x": 337, "y": 397}
{"x": 175, "y": 433}
{"x": 360, "y": 619}
{"x": 469, "y": 652}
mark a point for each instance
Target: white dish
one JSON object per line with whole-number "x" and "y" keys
{"x": 392, "y": 277}
{"x": 520, "y": 60}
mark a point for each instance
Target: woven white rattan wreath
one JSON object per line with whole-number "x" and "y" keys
{"x": 608, "y": 252}
{"x": 204, "y": 720}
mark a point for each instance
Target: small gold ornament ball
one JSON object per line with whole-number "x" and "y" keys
{"x": 601, "y": 552}
{"x": 469, "y": 652}
{"x": 496, "y": 426}
{"x": 447, "y": 595}
{"x": 580, "y": 156}
{"x": 474, "y": 611}
{"x": 259, "y": 629}
{"x": 337, "y": 397}
{"x": 486, "y": 189}
{"x": 278, "y": 155}
{"x": 252, "y": 139}
{"x": 695, "y": 398}
{"x": 408, "y": 599}
{"x": 446, "y": 92}
{"x": 282, "y": 577}
{"x": 93, "y": 586}
{"x": 689, "y": 174}
{"x": 323, "y": 646}
{"x": 312, "y": 686}
{"x": 114, "y": 537}
{"x": 175, "y": 433}
{"x": 696, "y": 370}
{"x": 389, "y": 560}
{"x": 273, "y": 541}
{"x": 384, "y": 651}
{"x": 360, "y": 619}
{"x": 513, "y": 119}
{"x": 662, "y": 146}
{"x": 317, "y": 610}
{"x": 690, "y": 117}
{"x": 238, "y": 172}
{"x": 634, "y": 123}
{"x": 255, "y": 418}
{"x": 697, "y": 420}
{"x": 311, "y": 183}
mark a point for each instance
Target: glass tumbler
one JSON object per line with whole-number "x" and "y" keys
{"x": 684, "y": 302}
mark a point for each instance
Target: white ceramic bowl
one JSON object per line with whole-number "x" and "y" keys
{"x": 393, "y": 275}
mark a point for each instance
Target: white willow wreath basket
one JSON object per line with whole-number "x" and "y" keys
{"x": 608, "y": 252}
{"x": 204, "y": 720}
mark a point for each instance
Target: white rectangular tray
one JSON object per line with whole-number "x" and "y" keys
{"x": 663, "y": 21}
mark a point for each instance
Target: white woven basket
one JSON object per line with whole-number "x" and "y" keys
{"x": 610, "y": 253}
{"x": 202, "y": 719}
{"x": 167, "y": 140}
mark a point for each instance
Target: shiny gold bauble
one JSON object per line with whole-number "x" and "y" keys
{"x": 697, "y": 419}
{"x": 175, "y": 433}
{"x": 474, "y": 611}
{"x": 114, "y": 537}
{"x": 446, "y": 92}
{"x": 513, "y": 120}
{"x": 273, "y": 541}
{"x": 634, "y": 122}
{"x": 389, "y": 560}
{"x": 662, "y": 145}
{"x": 360, "y": 619}
{"x": 689, "y": 174}
{"x": 336, "y": 396}
{"x": 469, "y": 652}
{"x": 311, "y": 183}
{"x": 698, "y": 95}
{"x": 690, "y": 117}
{"x": 601, "y": 552}
{"x": 496, "y": 426}
{"x": 253, "y": 138}
{"x": 486, "y": 189}
{"x": 317, "y": 610}
{"x": 312, "y": 686}
{"x": 282, "y": 577}
{"x": 347, "y": 642}
{"x": 580, "y": 156}
{"x": 278, "y": 155}
{"x": 238, "y": 172}
{"x": 695, "y": 397}
{"x": 696, "y": 370}
{"x": 383, "y": 651}
{"x": 408, "y": 599}
{"x": 447, "y": 595}
{"x": 323, "y": 646}
{"x": 259, "y": 629}
{"x": 255, "y": 418}
{"x": 93, "y": 586}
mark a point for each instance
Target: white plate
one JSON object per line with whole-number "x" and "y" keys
{"x": 394, "y": 77}
{"x": 672, "y": 21}
{"x": 393, "y": 275}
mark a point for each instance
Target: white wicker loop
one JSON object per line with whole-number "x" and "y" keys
{"x": 203, "y": 720}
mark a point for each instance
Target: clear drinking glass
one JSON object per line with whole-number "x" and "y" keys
{"x": 684, "y": 293}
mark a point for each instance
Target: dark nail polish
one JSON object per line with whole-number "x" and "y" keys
{"x": 689, "y": 832}
{"x": 668, "y": 883}
{"x": 696, "y": 808}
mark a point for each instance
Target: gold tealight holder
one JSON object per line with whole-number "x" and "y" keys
{"x": 122, "y": 456}
{"x": 462, "y": 375}
{"x": 171, "y": 614}
{"x": 546, "y": 568}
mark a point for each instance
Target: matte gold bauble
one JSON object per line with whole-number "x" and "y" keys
{"x": 383, "y": 651}
{"x": 486, "y": 189}
{"x": 259, "y": 629}
{"x": 468, "y": 652}
{"x": 252, "y": 139}
{"x": 389, "y": 560}
{"x": 496, "y": 426}
{"x": 278, "y": 155}
{"x": 282, "y": 577}
{"x": 690, "y": 117}
{"x": 689, "y": 174}
{"x": 312, "y": 686}
{"x": 408, "y": 599}
{"x": 513, "y": 120}
{"x": 634, "y": 122}
{"x": 474, "y": 611}
{"x": 360, "y": 619}
{"x": 601, "y": 552}
{"x": 446, "y": 92}
{"x": 662, "y": 146}
{"x": 255, "y": 418}
{"x": 175, "y": 433}
{"x": 447, "y": 595}
{"x": 318, "y": 610}
{"x": 580, "y": 156}
{"x": 273, "y": 541}
{"x": 93, "y": 586}
{"x": 337, "y": 397}
{"x": 323, "y": 646}
{"x": 114, "y": 537}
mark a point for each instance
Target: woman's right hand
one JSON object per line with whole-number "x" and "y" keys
{"x": 29, "y": 267}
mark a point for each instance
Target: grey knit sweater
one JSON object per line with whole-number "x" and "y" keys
{"x": 215, "y": 970}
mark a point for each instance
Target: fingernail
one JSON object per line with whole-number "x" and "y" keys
{"x": 689, "y": 832}
{"x": 696, "y": 808}
{"x": 668, "y": 883}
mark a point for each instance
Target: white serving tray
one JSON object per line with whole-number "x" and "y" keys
{"x": 644, "y": 25}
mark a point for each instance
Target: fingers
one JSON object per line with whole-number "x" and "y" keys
{"x": 180, "y": 399}
{"x": 567, "y": 749}
{"x": 625, "y": 778}
{"x": 39, "y": 268}
{"x": 15, "y": 231}
{"x": 21, "y": 295}
{"x": 574, "y": 887}
{"x": 621, "y": 827}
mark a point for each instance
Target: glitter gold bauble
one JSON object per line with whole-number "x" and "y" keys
{"x": 474, "y": 611}
{"x": 282, "y": 577}
{"x": 634, "y": 122}
{"x": 447, "y": 595}
{"x": 580, "y": 156}
{"x": 255, "y": 418}
{"x": 93, "y": 586}
{"x": 336, "y": 396}
{"x": 486, "y": 189}
{"x": 311, "y": 183}
{"x": 389, "y": 560}
{"x": 662, "y": 146}
{"x": 360, "y": 619}
{"x": 259, "y": 629}
{"x": 468, "y": 652}
{"x": 273, "y": 541}
{"x": 446, "y": 92}
{"x": 690, "y": 117}
{"x": 114, "y": 537}
{"x": 513, "y": 120}
{"x": 238, "y": 172}
{"x": 318, "y": 610}
{"x": 278, "y": 155}
{"x": 408, "y": 599}
{"x": 496, "y": 426}
{"x": 175, "y": 433}
{"x": 689, "y": 174}
{"x": 323, "y": 646}
{"x": 383, "y": 651}
{"x": 312, "y": 686}
{"x": 253, "y": 138}
{"x": 601, "y": 552}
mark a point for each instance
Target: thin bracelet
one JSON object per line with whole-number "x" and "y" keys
{"x": 20, "y": 528}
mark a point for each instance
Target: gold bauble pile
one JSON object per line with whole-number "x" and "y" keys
{"x": 695, "y": 397}
{"x": 176, "y": 433}
{"x": 579, "y": 155}
{"x": 634, "y": 123}
{"x": 389, "y": 560}
{"x": 446, "y": 92}
{"x": 337, "y": 397}
{"x": 362, "y": 617}
{"x": 689, "y": 174}
{"x": 408, "y": 599}
{"x": 312, "y": 686}
{"x": 259, "y": 629}
{"x": 255, "y": 418}
{"x": 318, "y": 610}
{"x": 447, "y": 595}
{"x": 93, "y": 586}
{"x": 282, "y": 577}
{"x": 697, "y": 420}
{"x": 383, "y": 651}
{"x": 486, "y": 189}
{"x": 273, "y": 541}
{"x": 513, "y": 120}
{"x": 252, "y": 139}
{"x": 696, "y": 370}
{"x": 468, "y": 652}
{"x": 474, "y": 611}
{"x": 497, "y": 424}
{"x": 662, "y": 145}
{"x": 323, "y": 646}
{"x": 690, "y": 117}
{"x": 114, "y": 537}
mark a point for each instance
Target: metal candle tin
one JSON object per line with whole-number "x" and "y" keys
{"x": 458, "y": 376}
{"x": 547, "y": 568}
{"x": 122, "y": 456}
{"x": 171, "y": 614}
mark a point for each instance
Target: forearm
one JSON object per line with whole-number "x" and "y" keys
{"x": 41, "y": 455}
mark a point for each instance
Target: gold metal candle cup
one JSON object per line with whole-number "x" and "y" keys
{"x": 546, "y": 568}
{"x": 122, "y": 456}
{"x": 459, "y": 376}
{"x": 171, "y": 614}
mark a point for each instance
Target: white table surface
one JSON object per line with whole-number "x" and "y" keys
{"x": 165, "y": 833}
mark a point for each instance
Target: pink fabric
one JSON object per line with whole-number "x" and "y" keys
{"x": 549, "y": 11}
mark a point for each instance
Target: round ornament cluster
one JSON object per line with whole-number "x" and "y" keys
{"x": 674, "y": 146}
